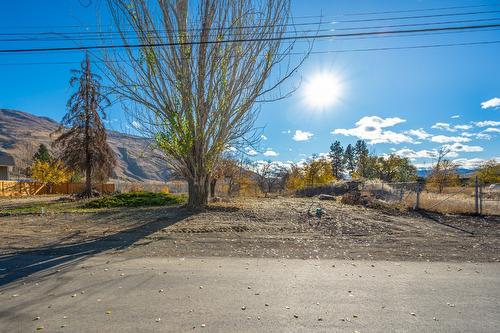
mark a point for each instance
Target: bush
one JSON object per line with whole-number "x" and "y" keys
{"x": 337, "y": 188}
{"x": 137, "y": 199}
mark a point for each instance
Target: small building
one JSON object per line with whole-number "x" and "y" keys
{"x": 6, "y": 165}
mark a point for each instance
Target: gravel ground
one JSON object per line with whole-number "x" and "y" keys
{"x": 259, "y": 227}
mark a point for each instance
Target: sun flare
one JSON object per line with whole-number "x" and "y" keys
{"x": 322, "y": 90}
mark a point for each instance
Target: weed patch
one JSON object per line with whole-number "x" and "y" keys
{"x": 136, "y": 199}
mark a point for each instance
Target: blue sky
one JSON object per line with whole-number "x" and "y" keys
{"x": 407, "y": 101}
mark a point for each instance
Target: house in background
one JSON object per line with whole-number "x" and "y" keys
{"x": 6, "y": 165}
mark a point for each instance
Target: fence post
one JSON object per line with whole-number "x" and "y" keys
{"x": 417, "y": 203}
{"x": 480, "y": 199}
{"x": 476, "y": 196}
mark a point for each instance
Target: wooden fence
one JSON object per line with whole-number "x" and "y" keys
{"x": 11, "y": 188}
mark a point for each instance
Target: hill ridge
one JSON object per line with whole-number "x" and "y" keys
{"x": 21, "y": 133}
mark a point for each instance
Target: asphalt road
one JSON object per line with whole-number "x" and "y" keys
{"x": 113, "y": 293}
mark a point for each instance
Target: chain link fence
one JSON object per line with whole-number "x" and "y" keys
{"x": 467, "y": 199}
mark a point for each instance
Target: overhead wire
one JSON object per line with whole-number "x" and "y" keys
{"x": 240, "y": 40}
{"x": 297, "y": 53}
{"x": 64, "y": 37}
{"x": 293, "y": 24}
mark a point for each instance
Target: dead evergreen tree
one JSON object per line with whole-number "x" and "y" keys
{"x": 83, "y": 143}
{"x": 194, "y": 72}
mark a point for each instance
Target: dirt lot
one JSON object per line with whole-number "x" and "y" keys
{"x": 257, "y": 227}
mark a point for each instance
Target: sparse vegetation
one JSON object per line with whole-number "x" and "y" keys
{"x": 444, "y": 173}
{"x": 489, "y": 173}
{"x": 137, "y": 199}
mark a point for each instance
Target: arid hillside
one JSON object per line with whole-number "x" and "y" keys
{"x": 21, "y": 133}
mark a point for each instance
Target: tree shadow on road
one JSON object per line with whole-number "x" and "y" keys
{"x": 19, "y": 265}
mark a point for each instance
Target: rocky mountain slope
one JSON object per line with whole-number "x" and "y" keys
{"x": 21, "y": 133}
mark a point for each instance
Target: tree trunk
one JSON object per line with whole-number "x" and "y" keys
{"x": 88, "y": 163}
{"x": 88, "y": 180}
{"x": 198, "y": 188}
{"x": 213, "y": 182}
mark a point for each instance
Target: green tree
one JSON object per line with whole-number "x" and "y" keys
{"x": 350, "y": 159}
{"x": 42, "y": 154}
{"x": 337, "y": 157}
{"x": 395, "y": 169}
{"x": 83, "y": 141}
{"x": 361, "y": 154}
{"x": 489, "y": 172}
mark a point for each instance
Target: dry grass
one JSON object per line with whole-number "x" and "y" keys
{"x": 452, "y": 201}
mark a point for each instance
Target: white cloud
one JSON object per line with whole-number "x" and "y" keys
{"x": 450, "y": 128}
{"x": 410, "y": 153}
{"x": 444, "y": 127}
{"x": 270, "y": 153}
{"x": 286, "y": 132}
{"x": 472, "y": 163}
{"x": 419, "y": 133}
{"x": 302, "y": 135}
{"x": 447, "y": 139}
{"x": 263, "y": 137}
{"x": 492, "y": 103}
{"x": 455, "y": 116}
{"x": 457, "y": 147}
{"x": 251, "y": 152}
{"x": 492, "y": 130}
{"x": 372, "y": 129}
{"x": 483, "y": 136}
{"x": 487, "y": 123}
{"x": 416, "y": 154}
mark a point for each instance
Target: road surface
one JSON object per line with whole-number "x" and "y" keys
{"x": 115, "y": 293}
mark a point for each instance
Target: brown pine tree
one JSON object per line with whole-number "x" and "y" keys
{"x": 83, "y": 144}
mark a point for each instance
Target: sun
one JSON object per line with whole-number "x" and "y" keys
{"x": 322, "y": 90}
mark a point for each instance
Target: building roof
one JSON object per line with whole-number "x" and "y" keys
{"x": 6, "y": 159}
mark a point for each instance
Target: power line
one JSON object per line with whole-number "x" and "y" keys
{"x": 294, "y": 17}
{"x": 420, "y": 10}
{"x": 425, "y": 46}
{"x": 420, "y": 24}
{"x": 342, "y": 38}
{"x": 316, "y": 23}
{"x": 63, "y": 37}
{"x": 418, "y": 16}
{"x": 132, "y": 35}
{"x": 400, "y": 36}
{"x": 127, "y": 46}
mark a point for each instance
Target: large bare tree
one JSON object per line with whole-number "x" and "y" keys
{"x": 83, "y": 141}
{"x": 192, "y": 72}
